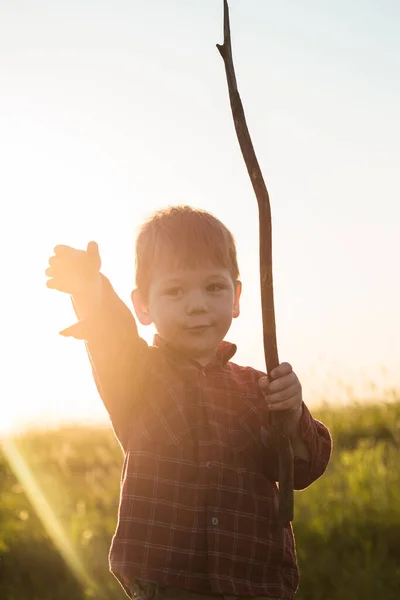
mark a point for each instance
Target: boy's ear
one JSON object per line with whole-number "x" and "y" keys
{"x": 141, "y": 308}
{"x": 236, "y": 302}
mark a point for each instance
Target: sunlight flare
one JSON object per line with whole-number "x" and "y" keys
{"x": 46, "y": 514}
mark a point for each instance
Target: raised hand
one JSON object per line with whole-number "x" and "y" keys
{"x": 74, "y": 272}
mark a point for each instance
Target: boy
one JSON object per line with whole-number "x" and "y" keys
{"x": 199, "y": 500}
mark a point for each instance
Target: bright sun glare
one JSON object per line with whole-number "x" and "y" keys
{"x": 49, "y": 204}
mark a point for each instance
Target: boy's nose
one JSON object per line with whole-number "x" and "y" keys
{"x": 196, "y": 303}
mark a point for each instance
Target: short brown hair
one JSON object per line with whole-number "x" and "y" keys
{"x": 184, "y": 237}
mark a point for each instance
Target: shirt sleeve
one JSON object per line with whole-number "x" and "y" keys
{"x": 119, "y": 357}
{"x": 319, "y": 443}
{"x": 318, "y": 440}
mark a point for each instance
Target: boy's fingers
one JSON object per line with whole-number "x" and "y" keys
{"x": 68, "y": 255}
{"x": 74, "y": 255}
{"x": 55, "y": 260}
{"x": 52, "y": 284}
{"x": 58, "y": 266}
{"x": 283, "y": 382}
{"x": 283, "y": 369}
{"x": 72, "y": 270}
{"x": 285, "y": 394}
{"x": 63, "y": 250}
{"x": 281, "y": 406}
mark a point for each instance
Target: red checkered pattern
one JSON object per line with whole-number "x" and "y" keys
{"x": 199, "y": 500}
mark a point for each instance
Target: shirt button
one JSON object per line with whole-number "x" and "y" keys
{"x": 214, "y": 521}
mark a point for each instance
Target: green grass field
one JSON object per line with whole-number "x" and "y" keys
{"x": 59, "y": 495}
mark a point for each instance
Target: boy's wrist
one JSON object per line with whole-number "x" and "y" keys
{"x": 88, "y": 298}
{"x": 300, "y": 448}
{"x": 293, "y": 422}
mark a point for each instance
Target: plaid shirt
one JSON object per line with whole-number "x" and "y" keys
{"x": 199, "y": 499}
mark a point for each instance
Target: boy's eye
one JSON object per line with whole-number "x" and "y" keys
{"x": 215, "y": 287}
{"x": 172, "y": 291}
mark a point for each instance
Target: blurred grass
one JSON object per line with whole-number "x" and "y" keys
{"x": 347, "y": 525}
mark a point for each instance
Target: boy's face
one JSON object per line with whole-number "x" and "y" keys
{"x": 192, "y": 309}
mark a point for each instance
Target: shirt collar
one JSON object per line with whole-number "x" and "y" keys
{"x": 225, "y": 351}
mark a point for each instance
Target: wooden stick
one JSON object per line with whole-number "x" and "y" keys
{"x": 277, "y": 422}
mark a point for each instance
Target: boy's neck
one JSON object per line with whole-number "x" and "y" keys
{"x": 200, "y": 360}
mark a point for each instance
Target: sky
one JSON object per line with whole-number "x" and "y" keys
{"x": 110, "y": 110}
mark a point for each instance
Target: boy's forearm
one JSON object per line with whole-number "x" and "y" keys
{"x": 118, "y": 356}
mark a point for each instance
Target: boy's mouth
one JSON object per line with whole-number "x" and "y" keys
{"x": 198, "y": 328}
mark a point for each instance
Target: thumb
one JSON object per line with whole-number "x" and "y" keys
{"x": 263, "y": 382}
{"x": 94, "y": 255}
{"x": 93, "y": 248}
